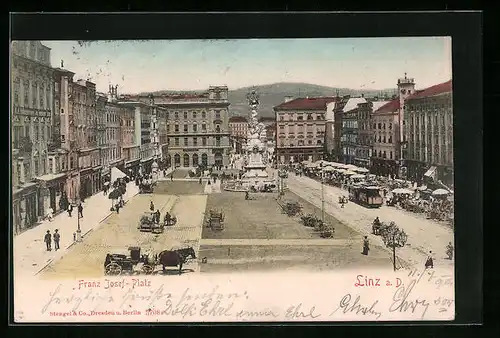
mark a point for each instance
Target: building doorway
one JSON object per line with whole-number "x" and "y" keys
{"x": 204, "y": 160}
{"x": 177, "y": 160}
{"x": 218, "y": 159}
{"x": 195, "y": 160}
{"x": 186, "y": 160}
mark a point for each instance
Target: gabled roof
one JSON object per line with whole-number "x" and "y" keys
{"x": 388, "y": 107}
{"x": 377, "y": 104}
{"x": 237, "y": 119}
{"x": 352, "y": 103}
{"x": 441, "y": 88}
{"x": 311, "y": 103}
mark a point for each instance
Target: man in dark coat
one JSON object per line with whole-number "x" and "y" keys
{"x": 70, "y": 209}
{"x": 151, "y": 206}
{"x": 57, "y": 238}
{"x": 80, "y": 210}
{"x": 48, "y": 240}
{"x": 429, "y": 263}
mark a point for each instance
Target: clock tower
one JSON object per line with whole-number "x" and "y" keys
{"x": 406, "y": 87}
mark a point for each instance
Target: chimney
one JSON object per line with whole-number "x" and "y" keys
{"x": 288, "y": 98}
{"x": 362, "y": 95}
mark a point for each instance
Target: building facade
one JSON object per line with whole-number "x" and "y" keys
{"x": 129, "y": 143}
{"x": 329, "y": 131}
{"x": 162, "y": 136}
{"x": 385, "y": 139}
{"x": 429, "y": 116}
{"x": 197, "y": 127}
{"x": 346, "y": 128}
{"x": 102, "y": 141}
{"x": 300, "y": 129}
{"x": 238, "y": 131}
{"x": 32, "y": 86}
{"x": 364, "y": 146}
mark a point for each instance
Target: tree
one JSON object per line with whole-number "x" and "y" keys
{"x": 394, "y": 238}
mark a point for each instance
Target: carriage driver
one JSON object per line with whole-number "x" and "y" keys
{"x": 376, "y": 221}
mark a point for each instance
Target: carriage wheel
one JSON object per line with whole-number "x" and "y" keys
{"x": 113, "y": 269}
{"x": 147, "y": 269}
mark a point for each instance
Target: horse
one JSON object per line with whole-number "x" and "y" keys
{"x": 175, "y": 257}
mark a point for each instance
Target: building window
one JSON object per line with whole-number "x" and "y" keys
{"x": 194, "y": 115}
{"x": 168, "y": 128}
{"x": 217, "y": 114}
{"x": 300, "y": 118}
{"x": 203, "y": 115}
{"x": 390, "y": 139}
{"x": 176, "y": 141}
{"x": 185, "y": 128}
{"x": 195, "y": 141}
{"x": 390, "y": 155}
{"x": 195, "y": 127}
{"x": 185, "y": 115}
{"x": 379, "y": 125}
{"x": 176, "y": 128}
{"x": 176, "y": 115}
{"x": 204, "y": 141}
{"x": 217, "y": 128}
{"x": 217, "y": 141}
{"x": 204, "y": 127}
{"x": 185, "y": 141}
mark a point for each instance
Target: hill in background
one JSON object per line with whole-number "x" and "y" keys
{"x": 273, "y": 94}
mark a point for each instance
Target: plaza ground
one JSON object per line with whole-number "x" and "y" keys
{"x": 258, "y": 236}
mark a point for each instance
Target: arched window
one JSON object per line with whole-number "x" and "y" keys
{"x": 186, "y": 160}
{"x": 195, "y": 160}
{"x": 204, "y": 159}
{"x": 177, "y": 159}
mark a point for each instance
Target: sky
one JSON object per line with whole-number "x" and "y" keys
{"x": 355, "y": 63}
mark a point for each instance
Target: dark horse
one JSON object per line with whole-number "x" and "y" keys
{"x": 175, "y": 257}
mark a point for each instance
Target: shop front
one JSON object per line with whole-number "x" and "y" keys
{"x": 25, "y": 207}
{"x": 384, "y": 167}
{"x": 52, "y": 190}
{"x": 298, "y": 155}
{"x": 132, "y": 167}
{"x": 86, "y": 179}
{"x": 96, "y": 180}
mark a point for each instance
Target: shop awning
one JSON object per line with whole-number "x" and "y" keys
{"x": 431, "y": 173}
{"x": 116, "y": 174}
{"x": 46, "y": 180}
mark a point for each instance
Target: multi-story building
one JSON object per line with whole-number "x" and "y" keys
{"x": 364, "y": 145}
{"x": 346, "y": 128}
{"x": 66, "y": 128}
{"x": 84, "y": 117}
{"x": 113, "y": 151}
{"x": 32, "y": 86}
{"x": 197, "y": 126}
{"x": 429, "y": 116}
{"x": 143, "y": 136}
{"x": 130, "y": 144}
{"x": 163, "y": 136}
{"x": 102, "y": 141}
{"x": 389, "y": 133}
{"x": 300, "y": 129}
{"x": 329, "y": 131}
{"x": 238, "y": 130}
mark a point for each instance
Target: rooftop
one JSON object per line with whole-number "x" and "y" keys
{"x": 388, "y": 107}
{"x": 352, "y": 103}
{"x": 234, "y": 119}
{"x": 438, "y": 89}
{"x": 309, "y": 103}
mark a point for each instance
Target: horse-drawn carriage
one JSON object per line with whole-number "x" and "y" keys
{"x": 291, "y": 208}
{"x": 133, "y": 262}
{"x": 150, "y": 221}
{"x": 215, "y": 220}
{"x": 146, "y": 188}
{"x": 169, "y": 220}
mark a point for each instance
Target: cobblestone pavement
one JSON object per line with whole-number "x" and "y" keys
{"x": 423, "y": 235}
{"x": 30, "y": 253}
{"x": 262, "y": 218}
{"x": 116, "y": 234}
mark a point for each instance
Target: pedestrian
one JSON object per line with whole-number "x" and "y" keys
{"x": 74, "y": 236}
{"x": 50, "y": 214}
{"x": 449, "y": 251}
{"x": 151, "y": 206}
{"x": 171, "y": 177}
{"x": 57, "y": 237}
{"x": 117, "y": 207}
{"x": 48, "y": 240}
{"x": 429, "y": 263}
{"x": 199, "y": 180}
{"x": 80, "y": 210}
{"x": 70, "y": 209}
{"x": 366, "y": 246}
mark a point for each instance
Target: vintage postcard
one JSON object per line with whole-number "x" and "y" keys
{"x": 267, "y": 180}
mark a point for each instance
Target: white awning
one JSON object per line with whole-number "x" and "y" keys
{"x": 116, "y": 174}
